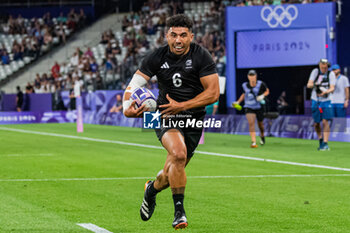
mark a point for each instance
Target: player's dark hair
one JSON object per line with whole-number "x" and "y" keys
{"x": 179, "y": 20}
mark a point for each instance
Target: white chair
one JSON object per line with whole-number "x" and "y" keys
{"x": 27, "y": 60}
{"x": 55, "y": 40}
{"x": 21, "y": 64}
{"x": 119, "y": 58}
{"x": 99, "y": 61}
{"x": 14, "y": 66}
{"x": 8, "y": 70}
{"x": 186, "y": 6}
{"x": 193, "y": 5}
{"x": 109, "y": 77}
{"x": 2, "y": 76}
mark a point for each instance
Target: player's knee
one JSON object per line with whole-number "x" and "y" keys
{"x": 179, "y": 156}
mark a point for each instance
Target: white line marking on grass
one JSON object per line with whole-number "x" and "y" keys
{"x": 93, "y": 227}
{"x": 18, "y": 155}
{"x": 189, "y": 177}
{"x": 159, "y": 147}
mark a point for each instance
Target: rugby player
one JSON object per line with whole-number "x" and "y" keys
{"x": 187, "y": 81}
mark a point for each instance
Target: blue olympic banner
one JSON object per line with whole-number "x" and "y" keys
{"x": 7, "y": 118}
{"x": 280, "y": 47}
{"x": 254, "y": 33}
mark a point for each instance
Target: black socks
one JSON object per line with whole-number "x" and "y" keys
{"x": 152, "y": 190}
{"x": 179, "y": 202}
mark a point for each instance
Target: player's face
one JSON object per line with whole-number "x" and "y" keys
{"x": 179, "y": 40}
{"x": 252, "y": 78}
{"x": 323, "y": 67}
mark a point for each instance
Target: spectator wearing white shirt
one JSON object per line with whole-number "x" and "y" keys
{"x": 340, "y": 96}
{"x": 74, "y": 61}
{"x": 64, "y": 69}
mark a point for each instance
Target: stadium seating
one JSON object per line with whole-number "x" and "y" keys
{"x": 25, "y": 40}
{"x": 208, "y": 20}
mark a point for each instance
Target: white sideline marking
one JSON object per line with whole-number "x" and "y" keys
{"x": 93, "y": 227}
{"x": 17, "y": 155}
{"x": 189, "y": 177}
{"x": 159, "y": 147}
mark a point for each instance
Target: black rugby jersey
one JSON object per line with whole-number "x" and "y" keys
{"x": 179, "y": 76}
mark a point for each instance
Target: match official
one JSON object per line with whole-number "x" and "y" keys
{"x": 254, "y": 95}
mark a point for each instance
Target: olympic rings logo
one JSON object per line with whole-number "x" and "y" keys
{"x": 279, "y": 15}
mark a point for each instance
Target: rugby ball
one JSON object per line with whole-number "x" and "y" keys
{"x": 144, "y": 96}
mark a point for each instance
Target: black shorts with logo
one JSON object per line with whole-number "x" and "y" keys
{"x": 258, "y": 112}
{"x": 191, "y": 136}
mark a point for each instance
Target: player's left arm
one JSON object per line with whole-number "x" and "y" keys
{"x": 210, "y": 95}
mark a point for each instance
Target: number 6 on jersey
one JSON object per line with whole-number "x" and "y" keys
{"x": 177, "y": 80}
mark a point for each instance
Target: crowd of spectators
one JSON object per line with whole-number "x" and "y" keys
{"x": 81, "y": 69}
{"x": 22, "y": 37}
{"x": 111, "y": 64}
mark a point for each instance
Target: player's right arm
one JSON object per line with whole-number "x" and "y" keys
{"x": 313, "y": 75}
{"x": 138, "y": 80}
{"x": 148, "y": 68}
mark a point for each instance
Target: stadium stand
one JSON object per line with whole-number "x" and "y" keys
{"x": 110, "y": 63}
{"x": 24, "y": 40}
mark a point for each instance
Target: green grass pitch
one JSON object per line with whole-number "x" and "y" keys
{"x": 45, "y": 202}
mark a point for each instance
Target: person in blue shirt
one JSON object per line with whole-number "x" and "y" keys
{"x": 212, "y": 108}
{"x": 5, "y": 58}
{"x": 340, "y": 96}
{"x": 322, "y": 82}
{"x": 254, "y": 93}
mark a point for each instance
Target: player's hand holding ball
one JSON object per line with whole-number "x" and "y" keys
{"x": 132, "y": 111}
{"x": 142, "y": 100}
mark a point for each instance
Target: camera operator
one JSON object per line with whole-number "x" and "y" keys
{"x": 322, "y": 83}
